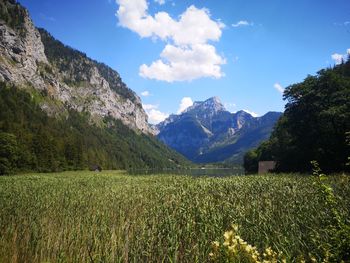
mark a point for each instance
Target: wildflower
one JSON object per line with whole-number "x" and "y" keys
{"x": 216, "y": 244}
{"x": 269, "y": 251}
{"x": 232, "y": 249}
{"x": 248, "y": 248}
{"x": 228, "y": 235}
{"x": 235, "y": 227}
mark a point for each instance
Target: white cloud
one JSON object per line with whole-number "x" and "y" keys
{"x": 346, "y": 23}
{"x": 47, "y": 18}
{"x": 187, "y": 37}
{"x": 338, "y": 58}
{"x": 161, "y": 2}
{"x": 149, "y": 107}
{"x": 155, "y": 116}
{"x": 181, "y": 64}
{"x": 193, "y": 27}
{"x": 252, "y": 113}
{"x": 184, "y": 104}
{"x": 230, "y": 106}
{"x": 278, "y": 87}
{"x": 145, "y": 93}
{"x": 243, "y": 23}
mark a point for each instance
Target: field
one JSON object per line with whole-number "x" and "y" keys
{"x": 114, "y": 217}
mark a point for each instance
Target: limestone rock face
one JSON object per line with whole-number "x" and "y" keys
{"x": 207, "y": 133}
{"x": 77, "y": 83}
{"x": 20, "y": 54}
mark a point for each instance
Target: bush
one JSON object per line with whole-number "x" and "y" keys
{"x": 8, "y": 152}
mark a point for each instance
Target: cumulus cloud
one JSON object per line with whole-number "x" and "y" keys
{"x": 147, "y": 107}
{"x": 187, "y": 40}
{"x": 278, "y": 87}
{"x": 339, "y": 58}
{"x": 184, "y": 104}
{"x": 243, "y": 23}
{"x": 145, "y": 93}
{"x": 252, "y": 113}
{"x": 155, "y": 116}
{"x": 185, "y": 63}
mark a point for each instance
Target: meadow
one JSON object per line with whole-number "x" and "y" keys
{"x": 115, "y": 217}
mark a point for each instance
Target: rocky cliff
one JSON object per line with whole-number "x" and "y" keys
{"x": 206, "y": 132}
{"x": 33, "y": 59}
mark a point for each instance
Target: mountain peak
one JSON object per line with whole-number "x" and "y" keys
{"x": 206, "y": 132}
{"x": 214, "y": 99}
{"x": 212, "y": 105}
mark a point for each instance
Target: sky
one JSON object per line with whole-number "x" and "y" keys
{"x": 172, "y": 52}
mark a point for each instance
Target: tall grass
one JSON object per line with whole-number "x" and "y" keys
{"x": 113, "y": 217}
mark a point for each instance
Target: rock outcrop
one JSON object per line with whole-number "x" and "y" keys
{"x": 206, "y": 132}
{"x": 75, "y": 82}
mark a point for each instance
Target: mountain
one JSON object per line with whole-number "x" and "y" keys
{"x": 71, "y": 105}
{"x": 34, "y": 58}
{"x": 206, "y": 132}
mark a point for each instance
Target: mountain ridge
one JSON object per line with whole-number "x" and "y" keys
{"x": 206, "y": 132}
{"x": 60, "y": 110}
{"x": 32, "y": 57}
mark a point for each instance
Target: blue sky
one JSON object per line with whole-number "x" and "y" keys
{"x": 176, "y": 52}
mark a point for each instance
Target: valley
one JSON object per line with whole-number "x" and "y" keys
{"x": 114, "y": 149}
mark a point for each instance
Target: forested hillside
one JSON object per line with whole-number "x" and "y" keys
{"x": 315, "y": 125}
{"x": 32, "y": 141}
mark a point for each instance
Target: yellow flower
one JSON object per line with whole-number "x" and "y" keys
{"x": 228, "y": 235}
{"x": 216, "y": 244}
{"x": 269, "y": 251}
{"x": 235, "y": 227}
{"x": 248, "y": 248}
{"x": 226, "y": 243}
{"x": 232, "y": 249}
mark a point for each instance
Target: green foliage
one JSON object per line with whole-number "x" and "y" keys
{"x": 71, "y": 143}
{"x": 13, "y": 14}
{"x": 8, "y": 152}
{"x": 251, "y": 162}
{"x": 314, "y": 124}
{"x": 338, "y": 247}
{"x": 348, "y": 143}
{"x": 114, "y": 217}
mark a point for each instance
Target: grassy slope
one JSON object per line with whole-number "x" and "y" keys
{"x": 110, "y": 217}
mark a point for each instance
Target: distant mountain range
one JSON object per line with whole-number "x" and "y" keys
{"x": 207, "y": 133}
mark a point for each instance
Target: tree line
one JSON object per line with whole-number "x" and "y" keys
{"x": 314, "y": 126}
{"x": 30, "y": 140}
